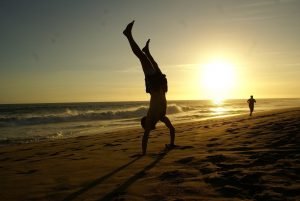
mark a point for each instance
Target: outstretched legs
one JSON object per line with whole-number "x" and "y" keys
{"x": 146, "y": 64}
{"x": 127, "y": 30}
{"x": 148, "y": 54}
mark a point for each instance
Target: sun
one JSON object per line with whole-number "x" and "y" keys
{"x": 217, "y": 80}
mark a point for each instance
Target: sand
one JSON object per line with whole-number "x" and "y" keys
{"x": 233, "y": 158}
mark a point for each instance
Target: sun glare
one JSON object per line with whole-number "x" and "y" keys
{"x": 218, "y": 78}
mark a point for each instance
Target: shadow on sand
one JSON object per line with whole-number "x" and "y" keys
{"x": 99, "y": 180}
{"x": 122, "y": 188}
{"x": 118, "y": 191}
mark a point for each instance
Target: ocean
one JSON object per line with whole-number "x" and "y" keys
{"x": 23, "y": 123}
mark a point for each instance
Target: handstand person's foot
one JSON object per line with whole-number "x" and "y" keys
{"x": 146, "y": 48}
{"x": 127, "y": 30}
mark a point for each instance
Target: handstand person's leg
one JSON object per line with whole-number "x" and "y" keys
{"x": 148, "y": 54}
{"x": 135, "y": 48}
{"x": 168, "y": 123}
{"x": 146, "y": 64}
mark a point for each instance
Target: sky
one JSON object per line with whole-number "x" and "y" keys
{"x": 74, "y": 51}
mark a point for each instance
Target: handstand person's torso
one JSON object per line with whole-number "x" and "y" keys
{"x": 158, "y": 104}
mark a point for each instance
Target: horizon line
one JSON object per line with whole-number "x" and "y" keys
{"x": 65, "y": 102}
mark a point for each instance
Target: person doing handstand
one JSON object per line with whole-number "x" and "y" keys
{"x": 156, "y": 86}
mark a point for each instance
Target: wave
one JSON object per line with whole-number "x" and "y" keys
{"x": 72, "y": 115}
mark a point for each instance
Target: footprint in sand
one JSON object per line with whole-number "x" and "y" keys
{"x": 111, "y": 144}
{"x": 184, "y": 147}
{"x": 81, "y": 158}
{"x": 69, "y": 155}
{"x": 176, "y": 176}
{"x": 232, "y": 130}
{"x": 41, "y": 153}
{"x": 241, "y": 149}
{"x": 213, "y": 139}
{"x": 34, "y": 161}
{"x": 27, "y": 172}
{"x": 136, "y": 155}
{"x": 262, "y": 159}
{"x": 185, "y": 160}
{"x": 4, "y": 159}
{"x": 55, "y": 154}
{"x": 20, "y": 159}
{"x": 91, "y": 145}
{"x": 207, "y": 170}
{"x": 25, "y": 149}
{"x": 213, "y": 144}
{"x": 229, "y": 191}
{"x": 234, "y": 184}
{"x": 216, "y": 158}
{"x": 76, "y": 149}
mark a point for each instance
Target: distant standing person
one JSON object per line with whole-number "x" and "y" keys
{"x": 251, "y": 102}
{"x": 156, "y": 85}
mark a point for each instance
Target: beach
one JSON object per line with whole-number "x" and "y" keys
{"x": 227, "y": 158}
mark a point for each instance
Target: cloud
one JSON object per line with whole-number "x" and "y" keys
{"x": 134, "y": 69}
{"x": 182, "y": 67}
{"x": 292, "y": 64}
{"x": 287, "y": 1}
{"x": 279, "y": 53}
{"x": 253, "y": 18}
{"x": 254, "y": 10}
{"x": 256, "y": 4}
{"x": 262, "y": 3}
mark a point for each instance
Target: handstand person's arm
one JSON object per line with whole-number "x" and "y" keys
{"x": 168, "y": 123}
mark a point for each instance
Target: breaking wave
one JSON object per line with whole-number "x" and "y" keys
{"x": 73, "y": 115}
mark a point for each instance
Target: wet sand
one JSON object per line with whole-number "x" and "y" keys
{"x": 233, "y": 158}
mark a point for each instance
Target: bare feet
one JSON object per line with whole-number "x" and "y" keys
{"x": 146, "y": 48}
{"x": 127, "y": 30}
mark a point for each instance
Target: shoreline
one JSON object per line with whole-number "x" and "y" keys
{"x": 224, "y": 159}
{"x": 104, "y": 131}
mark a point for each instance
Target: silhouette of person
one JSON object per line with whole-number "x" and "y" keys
{"x": 156, "y": 86}
{"x": 251, "y": 102}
